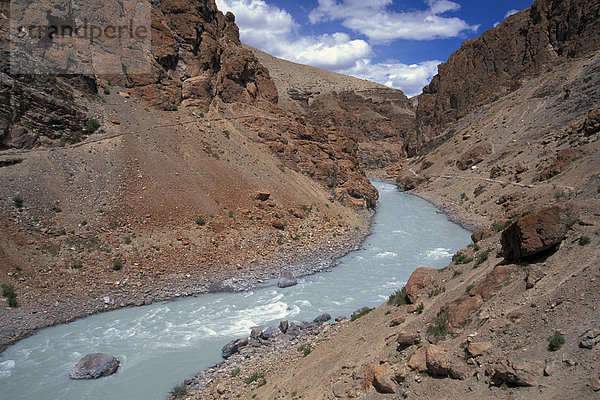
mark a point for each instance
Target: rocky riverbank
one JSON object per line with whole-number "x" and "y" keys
{"x": 30, "y": 316}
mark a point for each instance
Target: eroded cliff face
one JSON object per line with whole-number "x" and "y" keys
{"x": 495, "y": 64}
{"x": 196, "y": 56}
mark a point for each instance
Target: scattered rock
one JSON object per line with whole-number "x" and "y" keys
{"x": 94, "y": 366}
{"x": 521, "y": 373}
{"x": 283, "y": 326}
{"x": 550, "y": 368}
{"x": 262, "y": 195}
{"x": 322, "y": 318}
{"x": 461, "y": 310}
{"x": 492, "y": 281}
{"x": 437, "y": 362}
{"x": 478, "y": 236}
{"x": 592, "y": 122}
{"x": 269, "y": 333}
{"x": 380, "y": 377}
{"x": 287, "y": 279}
{"x": 233, "y": 347}
{"x": 459, "y": 371}
{"x": 418, "y": 361}
{"x": 256, "y": 332}
{"x": 397, "y": 321}
{"x": 590, "y": 339}
{"x": 406, "y": 339}
{"x": 536, "y": 233}
{"x": 293, "y": 330}
{"x": 473, "y": 156}
{"x": 477, "y": 349}
{"x": 534, "y": 275}
{"x": 419, "y": 279}
{"x": 277, "y": 224}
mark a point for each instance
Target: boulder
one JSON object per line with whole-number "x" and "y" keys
{"x": 256, "y": 332}
{"x": 406, "y": 339}
{"x": 293, "y": 330}
{"x": 419, "y": 279}
{"x": 262, "y": 195}
{"x": 283, "y": 326}
{"x": 537, "y": 233}
{"x": 431, "y": 359}
{"x": 473, "y": 156}
{"x": 534, "y": 275}
{"x": 590, "y": 339}
{"x": 514, "y": 373}
{"x": 461, "y": 310}
{"x": 478, "y": 236}
{"x": 492, "y": 281}
{"x": 592, "y": 122}
{"x": 409, "y": 182}
{"x": 477, "y": 349}
{"x": 380, "y": 377}
{"x": 418, "y": 361}
{"x": 287, "y": 279}
{"x": 94, "y": 366}
{"x": 322, "y": 318}
{"x": 361, "y": 310}
{"x": 269, "y": 333}
{"x": 233, "y": 347}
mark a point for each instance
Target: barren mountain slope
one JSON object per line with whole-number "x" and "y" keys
{"x": 382, "y": 118}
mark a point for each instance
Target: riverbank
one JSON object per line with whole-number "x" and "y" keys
{"x": 32, "y": 316}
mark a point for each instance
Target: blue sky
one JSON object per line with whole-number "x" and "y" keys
{"x": 398, "y": 43}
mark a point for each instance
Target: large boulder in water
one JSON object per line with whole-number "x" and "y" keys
{"x": 94, "y": 366}
{"x": 233, "y": 347}
{"x": 287, "y": 279}
{"x": 537, "y": 233}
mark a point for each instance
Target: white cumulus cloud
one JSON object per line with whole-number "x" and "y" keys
{"x": 380, "y": 24}
{"x": 508, "y": 14}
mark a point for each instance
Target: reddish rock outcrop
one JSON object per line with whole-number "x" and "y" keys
{"x": 380, "y": 377}
{"x": 419, "y": 279}
{"x": 473, "y": 156}
{"x": 431, "y": 359}
{"x": 539, "y": 232}
{"x": 564, "y": 158}
{"x": 461, "y": 310}
{"x": 592, "y": 122}
{"x": 489, "y": 67}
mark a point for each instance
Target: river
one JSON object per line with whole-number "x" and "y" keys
{"x": 162, "y": 344}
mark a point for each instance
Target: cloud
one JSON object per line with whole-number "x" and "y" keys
{"x": 508, "y": 14}
{"x": 381, "y": 25}
{"x": 409, "y": 78}
{"x": 275, "y": 31}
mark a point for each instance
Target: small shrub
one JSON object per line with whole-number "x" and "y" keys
{"x": 559, "y": 194}
{"x": 497, "y": 227}
{"x": 235, "y": 372}
{"x": 76, "y": 265}
{"x": 468, "y": 289}
{"x": 556, "y": 341}
{"x": 438, "y": 327}
{"x": 399, "y": 297}
{"x": 83, "y": 223}
{"x": 106, "y": 91}
{"x": 200, "y": 221}
{"x": 436, "y": 290}
{"x": 127, "y": 240}
{"x": 230, "y": 214}
{"x": 305, "y": 208}
{"x": 92, "y": 125}
{"x": 8, "y": 292}
{"x": 457, "y": 273}
{"x": 117, "y": 264}
{"x": 179, "y": 391}
{"x": 18, "y": 201}
{"x": 482, "y": 257}
{"x": 362, "y": 313}
{"x": 305, "y": 349}
{"x": 201, "y": 115}
{"x": 584, "y": 240}
{"x": 420, "y": 308}
{"x": 474, "y": 246}
{"x": 459, "y": 259}
{"x": 255, "y": 377}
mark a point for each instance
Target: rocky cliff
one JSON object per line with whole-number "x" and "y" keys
{"x": 495, "y": 64}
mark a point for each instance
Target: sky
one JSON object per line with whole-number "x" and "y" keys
{"x": 398, "y": 43}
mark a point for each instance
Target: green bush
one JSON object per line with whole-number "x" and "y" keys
{"x": 436, "y": 290}
{"x": 235, "y": 372}
{"x": 200, "y": 221}
{"x": 255, "y": 377}
{"x": 117, "y": 264}
{"x": 92, "y": 125}
{"x": 482, "y": 257}
{"x": 8, "y": 292}
{"x": 18, "y": 201}
{"x": 76, "y": 265}
{"x": 106, "y": 90}
{"x": 305, "y": 349}
{"x": 468, "y": 289}
{"x": 556, "y": 341}
{"x": 362, "y": 313}
{"x": 420, "y": 308}
{"x": 399, "y": 297}
{"x": 179, "y": 391}
{"x": 497, "y": 227}
{"x": 127, "y": 240}
{"x": 439, "y": 327}
{"x": 584, "y": 240}
{"x": 459, "y": 259}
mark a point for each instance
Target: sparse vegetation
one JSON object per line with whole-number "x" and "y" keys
{"x": 461, "y": 258}
{"x": 436, "y": 290}
{"x": 106, "y": 90}
{"x": 18, "y": 201}
{"x": 127, "y": 240}
{"x": 584, "y": 240}
{"x": 361, "y": 314}
{"x": 482, "y": 257}
{"x": 556, "y": 341}
{"x": 255, "y": 377}
{"x": 235, "y": 372}
{"x": 76, "y": 264}
{"x": 468, "y": 289}
{"x": 179, "y": 390}
{"x": 420, "y": 308}
{"x": 500, "y": 226}
{"x": 8, "y": 292}
{"x": 305, "y": 349}
{"x": 200, "y": 221}
{"x": 92, "y": 125}
{"x": 439, "y": 327}
{"x": 398, "y": 298}
{"x": 117, "y": 264}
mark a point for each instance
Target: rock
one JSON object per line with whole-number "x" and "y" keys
{"x": 233, "y": 347}
{"x": 406, "y": 339}
{"x": 517, "y": 373}
{"x": 269, "y": 333}
{"x": 494, "y": 280}
{"x": 419, "y": 279}
{"x": 478, "y": 236}
{"x": 361, "y": 310}
{"x": 322, "y": 318}
{"x": 293, "y": 330}
{"x": 256, "y": 332}
{"x": 287, "y": 279}
{"x": 534, "y": 275}
{"x": 397, "y": 321}
{"x": 283, "y": 326}
{"x": 550, "y": 368}
{"x": 537, "y": 233}
{"x": 461, "y": 310}
{"x": 590, "y": 339}
{"x": 409, "y": 182}
{"x": 437, "y": 362}
{"x": 459, "y": 371}
{"x": 477, "y": 349}
{"x": 418, "y": 361}
{"x": 262, "y": 195}
{"x": 94, "y": 366}
{"x": 473, "y": 156}
{"x": 380, "y": 377}
{"x": 277, "y": 224}
{"x": 592, "y": 122}
{"x": 304, "y": 325}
